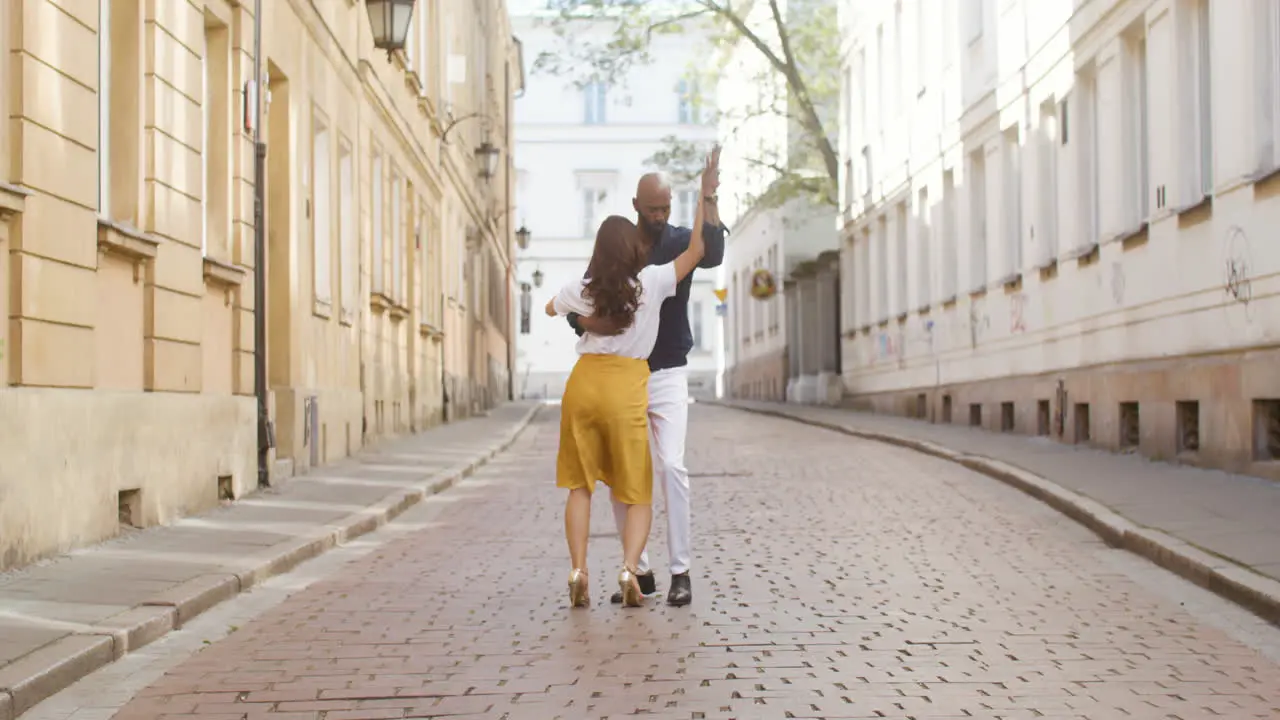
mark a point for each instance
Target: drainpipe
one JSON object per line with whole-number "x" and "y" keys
{"x": 265, "y": 440}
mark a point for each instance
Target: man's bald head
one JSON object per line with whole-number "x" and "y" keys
{"x": 653, "y": 204}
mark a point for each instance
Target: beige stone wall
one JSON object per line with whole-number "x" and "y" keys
{"x": 128, "y": 353}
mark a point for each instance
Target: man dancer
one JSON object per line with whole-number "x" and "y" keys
{"x": 669, "y": 379}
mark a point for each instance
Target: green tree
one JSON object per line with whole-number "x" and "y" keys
{"x": 798, "y": 41}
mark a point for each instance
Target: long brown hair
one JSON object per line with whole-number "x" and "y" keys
{"x": 617, "y": 258}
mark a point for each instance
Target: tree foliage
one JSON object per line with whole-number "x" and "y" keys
{"x": 795, "y": 41}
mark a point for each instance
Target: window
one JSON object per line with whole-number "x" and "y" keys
{"x": 594, "y": 98}
{"x": 321, "y": 213}
{"x": 592, "y": 206}
{"x": 1268, "y": 92}
{"x": 882, "y": 269}
{"x": 1204, "y": 99}
{"x": 348, "y": 241}
{"x": 104, "y": 107}
{"x": 973, "y": 21}
{"x": 1086, "y": 140}
{"x": 977, "y": 220}
{"x": 215, "y": 155}
{"x": 950, "y": 269}
{"x": 1140, "y": 145}
{"x": 1044, "y": 231}
{"x": 397, "y": 237}
{"x": 687, "y": 208}
{"x": 900, "y": 248}
{"x": 899, "y": 87}
{"x": 685, "y": 111}
{"x": 424, "y": 265}
{"x": 695, "y": 325}
{"x": 863, "y": 281}
{"x": 923, "y": 259}
{"x": 1011, "y": 201}
{"x": 378, "y": 267}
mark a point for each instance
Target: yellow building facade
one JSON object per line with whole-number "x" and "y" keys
{"x": 127, "y": 206}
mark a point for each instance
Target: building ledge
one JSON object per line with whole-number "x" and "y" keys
{"x": 126, "y": 241}
{"x": 220, "y": 273}
{"x": 380, "y": 303}
{"x": 398, "y": 312}
{"x": 1080, "y": 253}
{"x": 428, "y": 330}
{"x": 13, "y": 200}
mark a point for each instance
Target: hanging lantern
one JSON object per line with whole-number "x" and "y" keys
{"x": 522, "y": 237}
{"x": 537, "y": 278}
{"x": 763, "y": 286}
{"x": 390, "y": 22}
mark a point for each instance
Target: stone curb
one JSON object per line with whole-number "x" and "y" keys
{"x": 1228, "y": 579}
{"x": 38, "y": 675}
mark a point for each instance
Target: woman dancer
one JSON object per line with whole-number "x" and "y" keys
{"x": 604, "y": 431}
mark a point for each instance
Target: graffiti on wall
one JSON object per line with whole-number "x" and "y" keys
{"x": 1017, "y": 313}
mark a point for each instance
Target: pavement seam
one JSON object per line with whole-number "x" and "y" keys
{"x": 1230, "y": 580}
{"x": 40, "y": 674}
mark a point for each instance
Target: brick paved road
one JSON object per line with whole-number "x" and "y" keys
{"x": 835, "y": 578}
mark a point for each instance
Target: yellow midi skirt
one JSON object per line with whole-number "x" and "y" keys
{"x": 604, "y": 428}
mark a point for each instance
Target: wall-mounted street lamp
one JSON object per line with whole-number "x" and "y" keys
{"x": 390, "y": 22}
{"x": 522, "y": 237}
{"x": 487, "y": 154}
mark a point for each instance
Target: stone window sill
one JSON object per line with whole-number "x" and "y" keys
{"x": 13, "y": 200}
{"x": 398, "y": 313}
{"x": 225, "y": 274}
{"x": 126, "y": 241}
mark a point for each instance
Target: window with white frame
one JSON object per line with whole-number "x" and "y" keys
{"x": 881, "y": 259}
{"x": 1268, "y": 92}
{"x": 972, "y": 21}
{"x": 104, "y": 107}
{"x": 397, "y": 237}
{"x": 594, "y": 196}
{"x": 1138, "y": 130}
{"x": 950, "y": 268}
{"x": 215, "y": 155}
{"x": 321, "y": 213}
{"x": 426, "y": 291}
{"x": 899, "y": 57}
{"x": 923, "y": 256}
{"x": 687, "y": 110}
{"x": 348, "y": 243}
{"x": 901, "y": 225}
{"x": 595, "y": 98}
{"x": 1011, "y": 202}
{"x": 377, "y": 267}
{"x": 1045, "y": 231}
{"x": 977, "y": 220}
{"x": 1085, "y": 137}
{"x": 1204, "y": 98}
{"x": 866, "y": 313}
{"x": 686, "y": 208}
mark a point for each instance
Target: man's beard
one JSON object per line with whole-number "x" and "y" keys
{"x": 650, "y": 230}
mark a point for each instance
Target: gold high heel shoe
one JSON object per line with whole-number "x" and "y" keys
{"x": 578, "y": 596}
{"x": 630, "y": 586}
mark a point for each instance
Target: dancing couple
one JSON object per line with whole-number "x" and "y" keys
{"x": 625, "y": 411}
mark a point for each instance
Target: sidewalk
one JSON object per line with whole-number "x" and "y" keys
{"x": 62, "y": 619}
{"x": 1217, "y": 529}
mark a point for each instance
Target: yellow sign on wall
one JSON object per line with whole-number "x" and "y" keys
{"x": 721, "y": 293}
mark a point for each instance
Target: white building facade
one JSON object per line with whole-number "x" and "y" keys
{"x": 579, "y": 154}
{"x": 764, "y": 350}
{"x": 1060, "y": 219}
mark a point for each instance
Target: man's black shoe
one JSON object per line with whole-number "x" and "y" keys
{"x": 681, "y": 590}
{"x": 648, "y": 586}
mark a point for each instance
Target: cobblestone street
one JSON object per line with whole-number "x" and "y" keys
{"x": 833, "y": 578}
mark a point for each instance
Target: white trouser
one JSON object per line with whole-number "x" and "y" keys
{"x": 668, "y": 424}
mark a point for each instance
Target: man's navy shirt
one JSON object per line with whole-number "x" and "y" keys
{"x": 675, "y": 340}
